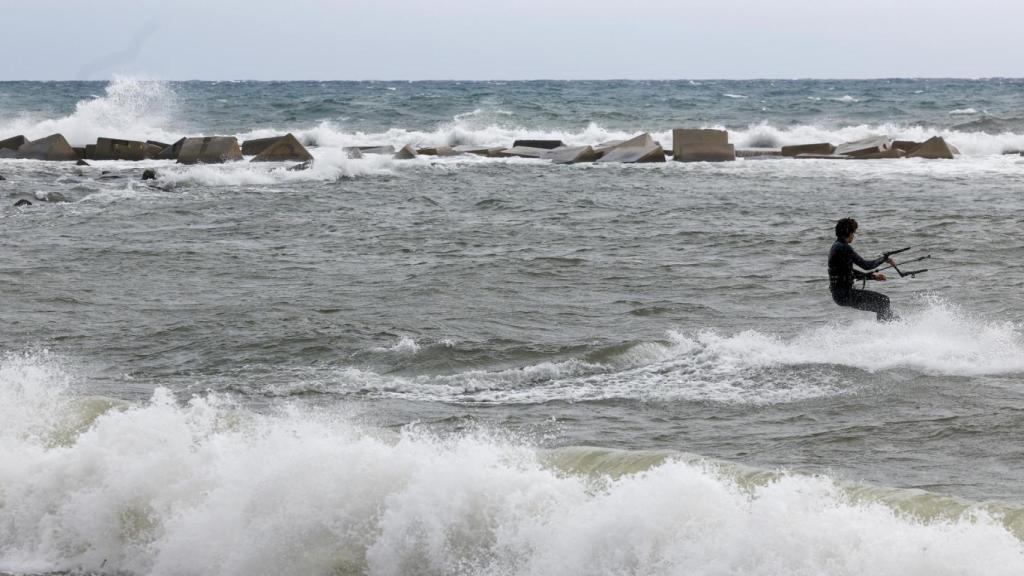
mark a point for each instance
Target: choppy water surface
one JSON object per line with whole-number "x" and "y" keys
{"x": 502, "y": 366}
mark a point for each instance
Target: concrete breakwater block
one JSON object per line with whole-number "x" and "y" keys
{"x": 524, "y": 152}
{"x": 54, "y": 148}
{"x": 822, "y": 148}
{"x": 823, "y": 157}
{"x": 759, "y": 153}
{"x": 905, "y": 145}
{"x": 701, "y": 145}
{"x": 572, "y": 155}
{"x": 287, "y": 148}
{"x": 114, "y": 149}
{"x": 437, "y": 151}
{"x": 933, "y": 148}
{"x": 478, "y": 150}
{"x": 13, "y": 143}
{"x": 255, "y": 146}
{"x": 545, "y": 144}
{"x": 372, "y": 149}
{"x": 171, "y": 152}
{"x": 209, "y": 150}
{"x": 406, "y": 153}
{"x": 890, "y": 153}
{"x": 638, "y": 150}
{"x": 154, "y": 148}
{"x": 870, "y": 145}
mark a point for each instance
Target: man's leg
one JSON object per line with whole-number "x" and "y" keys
{"x": 872, "y": 302}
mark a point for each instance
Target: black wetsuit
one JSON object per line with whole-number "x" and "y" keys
{"x": 841, "y": 276}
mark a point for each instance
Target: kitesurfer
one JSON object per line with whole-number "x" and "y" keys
{"x": 841, "y": 275}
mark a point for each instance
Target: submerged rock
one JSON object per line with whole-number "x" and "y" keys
{"x": 82, "y": 163}
{"x": 149, "y": 174}
{"x": 304, "y": 166}
{"x": 21, "y": 203}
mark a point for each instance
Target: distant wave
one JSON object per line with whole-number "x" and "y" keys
{"x": 963, "y": 111}
{"x": 207, "y": 487}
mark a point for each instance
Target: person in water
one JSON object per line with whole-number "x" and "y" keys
{"x": 841, "y": 275}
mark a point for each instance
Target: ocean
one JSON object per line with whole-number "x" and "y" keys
{"x": 501, "y": 366}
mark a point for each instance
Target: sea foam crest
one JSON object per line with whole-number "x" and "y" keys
{"x": 130, "y": 108}
{"x": 207, "y": 487}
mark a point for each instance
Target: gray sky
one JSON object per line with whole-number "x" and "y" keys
{"x": 512, "y": 39}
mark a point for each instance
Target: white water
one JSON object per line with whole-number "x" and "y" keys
{"x": 210, "y": 488}
{"x": 744, "y": 368}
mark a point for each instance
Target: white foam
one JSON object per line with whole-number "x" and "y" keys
{"x": 747, "y": 367}
{"x": 963, "y": 111}
{"x": 209, "y": 488}
{"x": 846, "y": 99}
{"x": 734, "y": 95}
{"x": 130, "y": 108}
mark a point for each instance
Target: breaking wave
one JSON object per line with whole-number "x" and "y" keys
{"x": 207, "y": 487}
{"x": 749, "y": 367}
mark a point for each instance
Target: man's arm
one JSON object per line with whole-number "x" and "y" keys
{"x": 864, "y": 264}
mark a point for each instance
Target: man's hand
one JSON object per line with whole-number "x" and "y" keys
{"x": 878, "y": 276}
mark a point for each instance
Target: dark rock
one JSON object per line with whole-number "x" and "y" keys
{"x": 304, "y": 166}
{"x": 406, "y": 153}
{"x": 52, "y": 148}
{"x": 640, "y": 149}
{"x": 13, "y": 143}
{"x": 867, "y": 146}
{"x": 21, "y": 203}
{"x": 149, "y": 174}
{"x": 573, "y": 155}
{"x": 823, "y": 148}
{"x": 2, "y": 177}
{"x": 545, "y": 144}
{"x": 209, "y": 150}
{"x": 285, "y": 149}
{"x": 81, "y": 163}
{"x": 171, "y": 152}
{"x": 933, "y": 148}
{"x": 697, "y": 145}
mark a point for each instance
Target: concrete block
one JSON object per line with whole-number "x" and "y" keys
{"x": 287, "y": 148}
{"x": 640, "y": 149}
{"x": 54, "y": 147}
{"x": 372, "y": 149}
{"x": 478, "y": 150}
{"x": 934, "y": 148}
{"x": 759, "y": 153}
{"x": 890, "y": 153}
{"x": 905, "y": 145}
{"x": 870, "y": 145}
{"x": 693, "y": 145}
{"x": 255, "y": 146}
{"x": 545, "y": 144}
{"x": 114, "y": 149}
{"x": 79, "y": 151}
{"x": 524, "y": 151}
{"x": 13, "y": 143}
{"x": 406, "y": 153}
{"x": 437, "y": 151}
{"x": 572, "y": 155}
{"x": 171, "y": 152}
{"x": 153, "y": 149}
{"x": 823, "y": 157}
{"x": 823, "y": 148}
{"x": 209, "y": 150}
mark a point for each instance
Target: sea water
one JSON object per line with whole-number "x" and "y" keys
{"x": 468, "y": 365}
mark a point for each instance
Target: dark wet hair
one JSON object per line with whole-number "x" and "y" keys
{"x": 845, "y": 227}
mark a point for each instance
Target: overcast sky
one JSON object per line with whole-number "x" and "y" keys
{"x": 511, "y": 39}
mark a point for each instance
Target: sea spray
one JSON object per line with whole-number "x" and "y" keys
{"x": 208, "y": 487}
